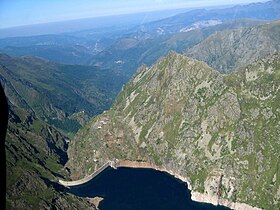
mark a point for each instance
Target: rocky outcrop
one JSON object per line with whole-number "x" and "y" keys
{"x": 195, "y": 196}
{"x": 216, "y": 200}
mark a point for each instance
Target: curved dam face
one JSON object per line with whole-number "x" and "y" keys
{"x": 122, "y": 163}
{"x": 86, "y": 179}
{"x": 195, "y": 196}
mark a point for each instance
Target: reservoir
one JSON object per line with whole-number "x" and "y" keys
{"x": 139, "y": 189}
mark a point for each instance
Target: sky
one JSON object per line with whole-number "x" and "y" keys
{"x": 28, "y": 12}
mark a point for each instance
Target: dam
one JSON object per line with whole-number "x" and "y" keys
{"x": 88, "y": 178}
{"x": 122, "y": 163}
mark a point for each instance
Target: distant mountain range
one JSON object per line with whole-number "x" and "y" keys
{"x": 93, "y": 46}
{"x": 115, "y": 22}
{"x": 261, "y": 11}
{"x": 131, "y": 52}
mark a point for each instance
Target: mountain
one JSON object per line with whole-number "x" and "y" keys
{"x": 35, "y": 156}
{"x": 128, "y": 53}
{"x": 220, "y": 131}
{"x": 149, "y": 41}
{"x": 65, "y": 96}
{"x": 49, "y": 40}
{"x": 179, "y": 42}
{"x": 230, "y": 49}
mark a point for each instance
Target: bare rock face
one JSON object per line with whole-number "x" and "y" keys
{"x": 221, "y": 131}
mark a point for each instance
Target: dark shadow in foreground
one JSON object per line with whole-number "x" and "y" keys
{"x": 3, "y": 129}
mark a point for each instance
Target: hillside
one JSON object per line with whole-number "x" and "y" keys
{"x": 221, "y": 131}
{"x": 230, "y": 49}
{"x": 65, "y": 96}
{"x": 35, "y": 155}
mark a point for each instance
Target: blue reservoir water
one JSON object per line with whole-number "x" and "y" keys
{"x": 140, "y": 189}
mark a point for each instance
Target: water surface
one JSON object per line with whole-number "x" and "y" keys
{"x": 140, "y": 189}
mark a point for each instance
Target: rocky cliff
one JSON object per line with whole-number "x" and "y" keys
{"x": 221, "y": 131}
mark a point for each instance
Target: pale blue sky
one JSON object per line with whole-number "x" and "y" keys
{"x": 26, "y": 12}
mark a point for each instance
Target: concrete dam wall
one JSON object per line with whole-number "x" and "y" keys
{"x": 86, "y": 179}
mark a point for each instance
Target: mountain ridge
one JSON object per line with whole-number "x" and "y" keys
{"x": 230, "y": 49}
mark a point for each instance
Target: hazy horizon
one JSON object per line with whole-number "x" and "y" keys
{"x": 31, "y": 12}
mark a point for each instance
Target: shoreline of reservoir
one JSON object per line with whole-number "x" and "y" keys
{"x": 195, "y": 196}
